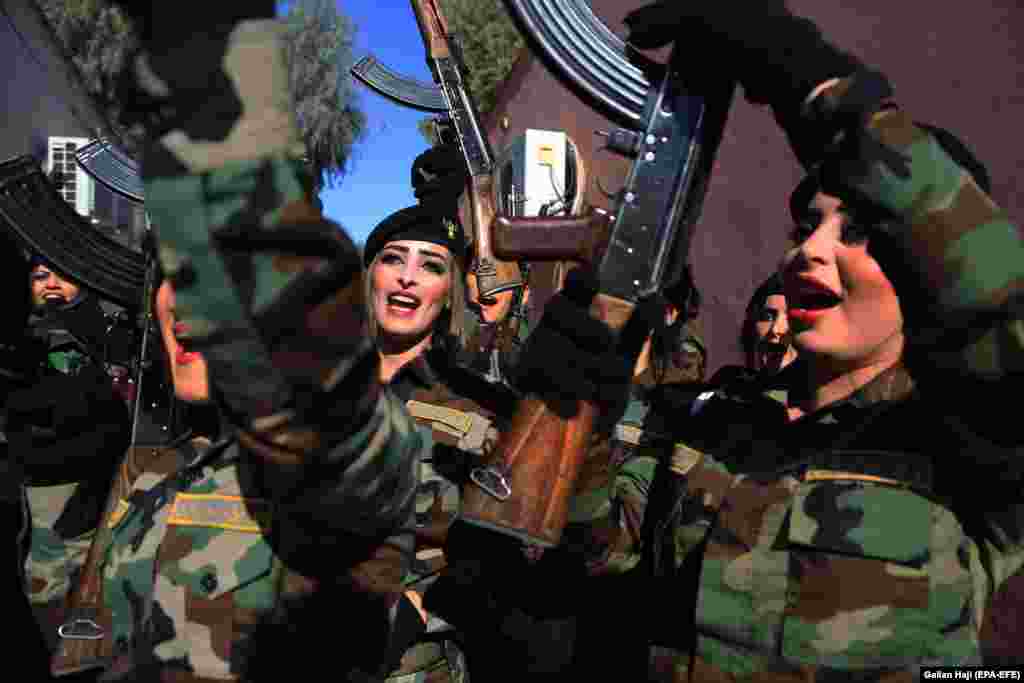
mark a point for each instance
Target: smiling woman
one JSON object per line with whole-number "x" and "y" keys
{"x": 415, "y": 290}
{"x": 415, "y": 258}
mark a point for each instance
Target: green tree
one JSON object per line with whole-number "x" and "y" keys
{"x": 491, "y": 43}
{"x": 319, "y": 49}
{"x": 98, "y": 38}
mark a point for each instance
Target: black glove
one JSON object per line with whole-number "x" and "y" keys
{"x": 479, "y": 561}
{"x": 439, "y": 174}
{"x": 571, "y": 356}
{"x": 777, "y": 57}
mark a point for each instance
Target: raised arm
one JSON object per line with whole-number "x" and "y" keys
{"x": 273, "y": 296}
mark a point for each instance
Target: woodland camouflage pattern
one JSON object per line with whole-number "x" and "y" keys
{"x": 607, "y": 510}
{"x": 810, "y": 571}
{"x": 53, "y": 562}
{"x": 182, "y": 590}
{"x": 459, "y": 432}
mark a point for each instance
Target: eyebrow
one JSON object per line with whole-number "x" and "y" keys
{"x": 406, "y": 250}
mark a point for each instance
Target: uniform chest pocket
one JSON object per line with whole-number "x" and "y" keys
{"x": 857, "y": 518}
{"x": 858, "y": 588}
{"x": 216, "y": 546}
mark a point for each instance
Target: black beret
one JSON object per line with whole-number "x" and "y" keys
{"x": 950, "y": 143}
{"x": 439, "y": 172}
{"x": 423, "y": 222}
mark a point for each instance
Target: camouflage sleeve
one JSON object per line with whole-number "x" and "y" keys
{"x": 273, "y": 296}
{"x": 365, "y": 484}
{"x": 966, "y": 339}
{"x": 630, "y": 491}
{"x": 967, "y": 255}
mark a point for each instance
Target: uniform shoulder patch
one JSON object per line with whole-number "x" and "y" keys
{"x": 217, "y": 511}
{"x": 684, "y": 458}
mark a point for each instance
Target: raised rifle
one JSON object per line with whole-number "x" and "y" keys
{"x": 85, "y": 641}
{"x": 672, "y": 124}
{"x": 448, "y": 68}
{"x": 37, "y": 214}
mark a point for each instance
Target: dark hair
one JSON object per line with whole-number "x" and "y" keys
{"x": 748, "y": 333}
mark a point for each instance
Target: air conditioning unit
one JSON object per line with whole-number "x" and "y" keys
{"x": 544, "y": 177}
{"x": 78, "y": 188}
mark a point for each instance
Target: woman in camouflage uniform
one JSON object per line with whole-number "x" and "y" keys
{"x": 415, "y": 260}
{"x": 225, "y": 559}
{"x": 832, "y": 532}
{"x": 68, "y": 428}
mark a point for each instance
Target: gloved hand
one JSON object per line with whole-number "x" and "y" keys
{"x": 777, "y": 56}
{"x": 478, "y": 559}
{"x": 439, "y": 174}
{"x": 274, "y": 298}
{"x": 572, "y": 356}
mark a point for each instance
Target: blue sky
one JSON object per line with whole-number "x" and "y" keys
{"x": 378, "y": 183}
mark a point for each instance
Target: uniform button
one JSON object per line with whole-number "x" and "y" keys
{"x": 209, "y": 582}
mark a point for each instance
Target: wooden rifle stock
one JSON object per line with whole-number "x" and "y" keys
{"x": 671, "y": 134}
{"x": 539, "y": 458}
{"x": 579, "y": 238}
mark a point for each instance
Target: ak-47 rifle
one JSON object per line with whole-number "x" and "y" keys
{"x": 671, "y": 129}
{"x": 85, "y": 642}
{"x": 445, "y": 59}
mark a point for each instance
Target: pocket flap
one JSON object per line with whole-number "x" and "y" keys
{"x": 855, "y": 516}
{"x": 454, "y": 422}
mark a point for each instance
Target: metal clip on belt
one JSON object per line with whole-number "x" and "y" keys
{"x": 493, "y": 481}
{"x": 80, "y": 628}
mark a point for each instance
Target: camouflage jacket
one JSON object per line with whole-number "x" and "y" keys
{"x": 68, "y": 455}
{"x": 202, "y": 558}
{"x": 853, "y": 538}
{"x": 459, "y": 431}
{"x": 607, "y": 510}
{"x": 458, "y": 413}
